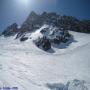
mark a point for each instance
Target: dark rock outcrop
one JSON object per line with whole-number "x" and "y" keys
{"x": 23, "y": 38}
{"x": 10, "y": 30}
{"x": 71, "y": 85}
{"x": 43, "y": 43}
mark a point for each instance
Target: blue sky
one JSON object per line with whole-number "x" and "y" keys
{"x": 17, "y": 10}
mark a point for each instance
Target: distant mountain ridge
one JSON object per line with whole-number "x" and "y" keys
{"x": 35, "y": 21}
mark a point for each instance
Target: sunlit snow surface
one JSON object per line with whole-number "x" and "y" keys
{"x": 27, "y": 67}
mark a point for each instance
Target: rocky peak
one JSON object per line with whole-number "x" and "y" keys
{"x": 29, "y": 23}
{"x": 35, "y": 21}
{"x": 32, "y": 16}
{"x": 10, "y": 30}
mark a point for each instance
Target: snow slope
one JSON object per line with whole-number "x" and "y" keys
{"x": 27, "y": 67}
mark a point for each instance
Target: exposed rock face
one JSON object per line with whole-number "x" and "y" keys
{"x": 49, "y": 35}
{"x": 71, "y": 85}
{"x": 77, "y": 85}
{"x": 30, "y": 23}
{"x": 10, "y": 30}
{"x": 43, "y": 43}
{"x": 35, "y": 21}
{"x": 56, "y": 35}
{"x": 23, "y": 38}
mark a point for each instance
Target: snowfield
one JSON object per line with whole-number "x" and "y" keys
{"x": 27, "y": 67}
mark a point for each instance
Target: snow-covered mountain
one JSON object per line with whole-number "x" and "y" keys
{"x": 44, "y": 55}
{"x": 52, "y": 27}
{"x": 27, "y": 67}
